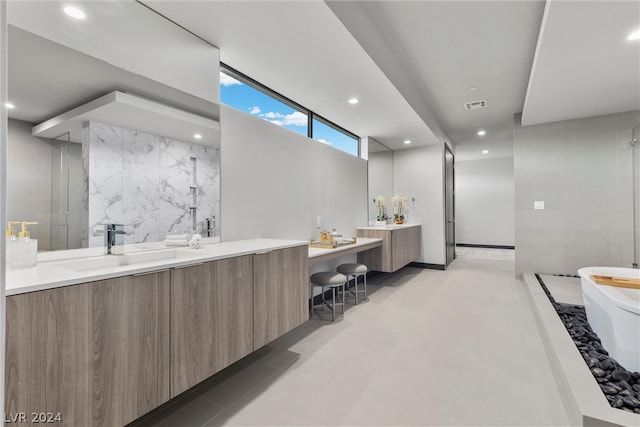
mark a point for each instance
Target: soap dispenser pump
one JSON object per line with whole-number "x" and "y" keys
{"x": 24, "y": 233}
{"x": 10, "y": 231}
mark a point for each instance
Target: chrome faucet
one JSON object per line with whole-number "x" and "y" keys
{"x": 113, "y": 240}
{"x": 209, "y": 226}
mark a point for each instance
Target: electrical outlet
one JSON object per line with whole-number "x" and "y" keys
{"x": 538, "y": 205}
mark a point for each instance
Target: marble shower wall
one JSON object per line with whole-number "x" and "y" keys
{"x": 148, "y": 183}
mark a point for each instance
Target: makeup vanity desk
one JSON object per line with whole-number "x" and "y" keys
{"x": 362, "y": 245}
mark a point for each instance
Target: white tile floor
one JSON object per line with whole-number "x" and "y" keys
{"x": 486, "y": 253}
{"x": 454, "y": 347}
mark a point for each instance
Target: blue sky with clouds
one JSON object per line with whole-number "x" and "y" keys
{"x": 243, "y": 97}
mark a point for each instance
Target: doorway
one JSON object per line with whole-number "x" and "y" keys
{"x": 449, "y": 206}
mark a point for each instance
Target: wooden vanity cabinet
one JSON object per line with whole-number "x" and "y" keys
{"x": 281, "y": 293}
{"x": 105, "y": 353}
{"x": 211, "y": 319}
{"x": 223, "y": 310}
{"x": 400, "y": 246}
{"x": 405, "y": 246}
{"x": 95, "y": 353}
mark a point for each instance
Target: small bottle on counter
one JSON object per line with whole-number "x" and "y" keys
{"x": 333, "y": 239}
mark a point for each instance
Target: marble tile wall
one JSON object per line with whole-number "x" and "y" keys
{"x": 148, "y": 183}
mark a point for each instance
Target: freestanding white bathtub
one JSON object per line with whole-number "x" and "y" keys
{"x": 614, "y": 314}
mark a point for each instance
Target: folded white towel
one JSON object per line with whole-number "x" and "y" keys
{"x": 174, "y": 242}
{"x": 195, "y": 242}
{"x": 177, "y": 236}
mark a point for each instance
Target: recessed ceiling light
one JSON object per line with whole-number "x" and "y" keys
{"x": 472, "y": 88}
{"x": 9, "y": 105}
{"x": 482, "y": 132}
{"x": 634, "y": 36}
{"x": 74, "y": 12}
{"x": 197, "y": 136}
{"x": 407, "y": 141}
{"x": 353, "y": 101}
{"x": 485, "y": 151}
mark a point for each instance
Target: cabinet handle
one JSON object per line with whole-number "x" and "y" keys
{"x": 187, "y": 266}
{"x": 150, "y": 272}
{"x": 263, "y": 253}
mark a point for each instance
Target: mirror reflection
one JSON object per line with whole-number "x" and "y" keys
{"x": 92, "y": 140}
{"x": 380, "y": 170}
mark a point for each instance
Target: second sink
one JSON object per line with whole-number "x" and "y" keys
{"x": 108, "y": 261}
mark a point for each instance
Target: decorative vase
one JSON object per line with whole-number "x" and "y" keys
{"x": 399, "y": 220}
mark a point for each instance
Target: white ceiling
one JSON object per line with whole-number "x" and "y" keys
{"x": 301, "y": 50}
{"x": 590, "y": 70}
{"x": 56, "y": 64}
{"x": 412, "y": 62}
{"x": 432, "y": 52}
{"x": 46, "y": 79}
{"x": 123, "y": 33}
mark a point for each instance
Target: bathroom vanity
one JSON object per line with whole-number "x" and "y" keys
{"x": 400, "y": 246}
{"x": 102, "y": 340}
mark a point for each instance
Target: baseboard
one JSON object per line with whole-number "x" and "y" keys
{"x": 473, "y": 245}
{"x": 426, "y": 265}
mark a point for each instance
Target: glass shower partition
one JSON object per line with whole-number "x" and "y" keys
{"x": 66, "y": 188}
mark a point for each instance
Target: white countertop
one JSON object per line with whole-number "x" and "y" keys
{"x": 388, "y": 227}
{"x": 362, "y": 244}
{"x": 59, "y": 255}
{"x": 87, "y": 265}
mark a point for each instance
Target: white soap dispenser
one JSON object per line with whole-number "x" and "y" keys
{"x": 22, "y": 251}
{"x": 12, "y": 236}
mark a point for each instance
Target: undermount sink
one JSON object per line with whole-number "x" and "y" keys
{"x": 108, "y": 261}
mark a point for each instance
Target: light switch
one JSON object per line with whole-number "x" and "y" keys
{"x": 318, "y": 221}
{"x": 538, "y": 205}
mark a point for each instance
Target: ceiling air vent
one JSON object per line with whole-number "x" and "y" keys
{"x": 475, "y": 104}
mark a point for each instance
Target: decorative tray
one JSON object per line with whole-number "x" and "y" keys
{"x": 329, "y": 245}
{"x": 619, "y": 282}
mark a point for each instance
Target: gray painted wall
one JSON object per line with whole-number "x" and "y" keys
{"x": 418, "y": 173}
{"x": 485, "y": 201}
{"x": 582, "y": 170}
{"x": 275, "y": 182}
{"x": 29, "y": 180}
{"x": 34, "y": 175}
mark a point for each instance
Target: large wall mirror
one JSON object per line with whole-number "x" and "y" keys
{"x": 380, "y": 170}
{"x": 115, "y": 119}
